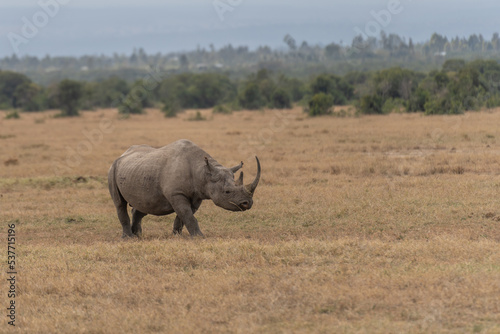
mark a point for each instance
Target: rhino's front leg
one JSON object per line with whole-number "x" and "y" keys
{"x": 178, "y": 224}
{"x": 185, "y": 210}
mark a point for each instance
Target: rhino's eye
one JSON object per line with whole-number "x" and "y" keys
{"x": 227, "y": 191}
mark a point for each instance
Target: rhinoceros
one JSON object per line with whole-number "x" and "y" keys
{"x": 174, "y": 178}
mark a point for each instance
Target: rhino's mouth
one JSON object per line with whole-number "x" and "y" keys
{"x": 236, "y": 205}
{"x": 243, "y": 206}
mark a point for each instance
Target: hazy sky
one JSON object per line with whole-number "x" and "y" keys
{"x": 135, "y": 3}
{"x": 106, "y": 26}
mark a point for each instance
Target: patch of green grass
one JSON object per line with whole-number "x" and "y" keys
{"x": 197, "y": 117}
{"x": 50, "y": 182}
{"x": 14, "y": 114}
{"x": 222, "y": 109}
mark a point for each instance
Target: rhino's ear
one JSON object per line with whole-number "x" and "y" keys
{"x": 210, "y": 168}
{"x": 236, "y": 168}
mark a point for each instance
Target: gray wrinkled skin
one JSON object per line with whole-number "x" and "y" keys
{"x": 174, "y": 178}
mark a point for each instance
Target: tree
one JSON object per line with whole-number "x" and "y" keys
{"x": 362, "y": 47}
{"x": 411, "y": 47}
{"x": 453, "y": 65}
{"x": 293, "y": 86}
{"x": 395, "y": 82}
{"x": 137, "y": 99}
{"x": 495, "y": 42}
{"x": 210, "y": 89}
{"x": 9, "y": 82}
{"x": 475, "y": 42}
{"x": 290, "y": 41}
{"x": 184, "y": 63}
{"x": 251, "y": 97}
{"x": 333, "y": 51}
{"x": 69, "y": 94}
{"x": 338, "y": 88}
{"x": 437, "y": 42}
{"x": 27, "y": 96}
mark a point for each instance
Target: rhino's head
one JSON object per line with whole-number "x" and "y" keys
{"x": 227, "y": 192}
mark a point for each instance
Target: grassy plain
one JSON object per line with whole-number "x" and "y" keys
{"x": 374, "y": 224}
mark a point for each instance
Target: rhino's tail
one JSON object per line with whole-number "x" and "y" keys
{"x": 113, "y": 186}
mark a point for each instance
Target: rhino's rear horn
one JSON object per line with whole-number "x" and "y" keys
{"x": 252, "y": 186}
{"x": 239, "y": 182}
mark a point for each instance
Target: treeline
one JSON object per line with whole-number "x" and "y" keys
{"x": 458, "y": 86}
{"x": 172, "y": 93}
{"x": 298, "y": 59}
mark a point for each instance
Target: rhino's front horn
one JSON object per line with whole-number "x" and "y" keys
{"x": 251, "y": 187}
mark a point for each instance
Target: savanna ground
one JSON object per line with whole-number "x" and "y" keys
{"x": 374, "y": 224}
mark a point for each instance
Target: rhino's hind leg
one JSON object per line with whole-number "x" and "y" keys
{"x": 136, "y": 222}
{"x": 121, "y": 209}
{"x": 120, "y": 203}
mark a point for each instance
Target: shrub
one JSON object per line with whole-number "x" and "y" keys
{"x": 417, "y": 100}
{"x": 221, "y": 109}
{"x": 129, "y": 106}
{"x": 467, "y": 84}
{"x": 171, "y": 109}
{"x": 12, "y": 115}
{"x": 443, "y": 105}
{"x": 197, "y": 90}
{"x": 106, "y": 93}
{"x": 392, "y": 105}
{"x": 371, "y": 104}
{"x": 395, "y": 82}
{"x": 493, "y": 101}
{"x": 281, "y": 99}
{"x": 137, "y": 99}
{"x": 197, "y": 117}
{"x": 320, "y": 104}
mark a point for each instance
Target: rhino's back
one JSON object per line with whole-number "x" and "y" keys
{"x": 143, "y": 158}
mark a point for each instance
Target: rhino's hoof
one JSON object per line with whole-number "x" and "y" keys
{"x": 131, "y": 236}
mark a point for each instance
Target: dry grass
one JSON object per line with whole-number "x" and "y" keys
{"x": 372, "y": 224}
